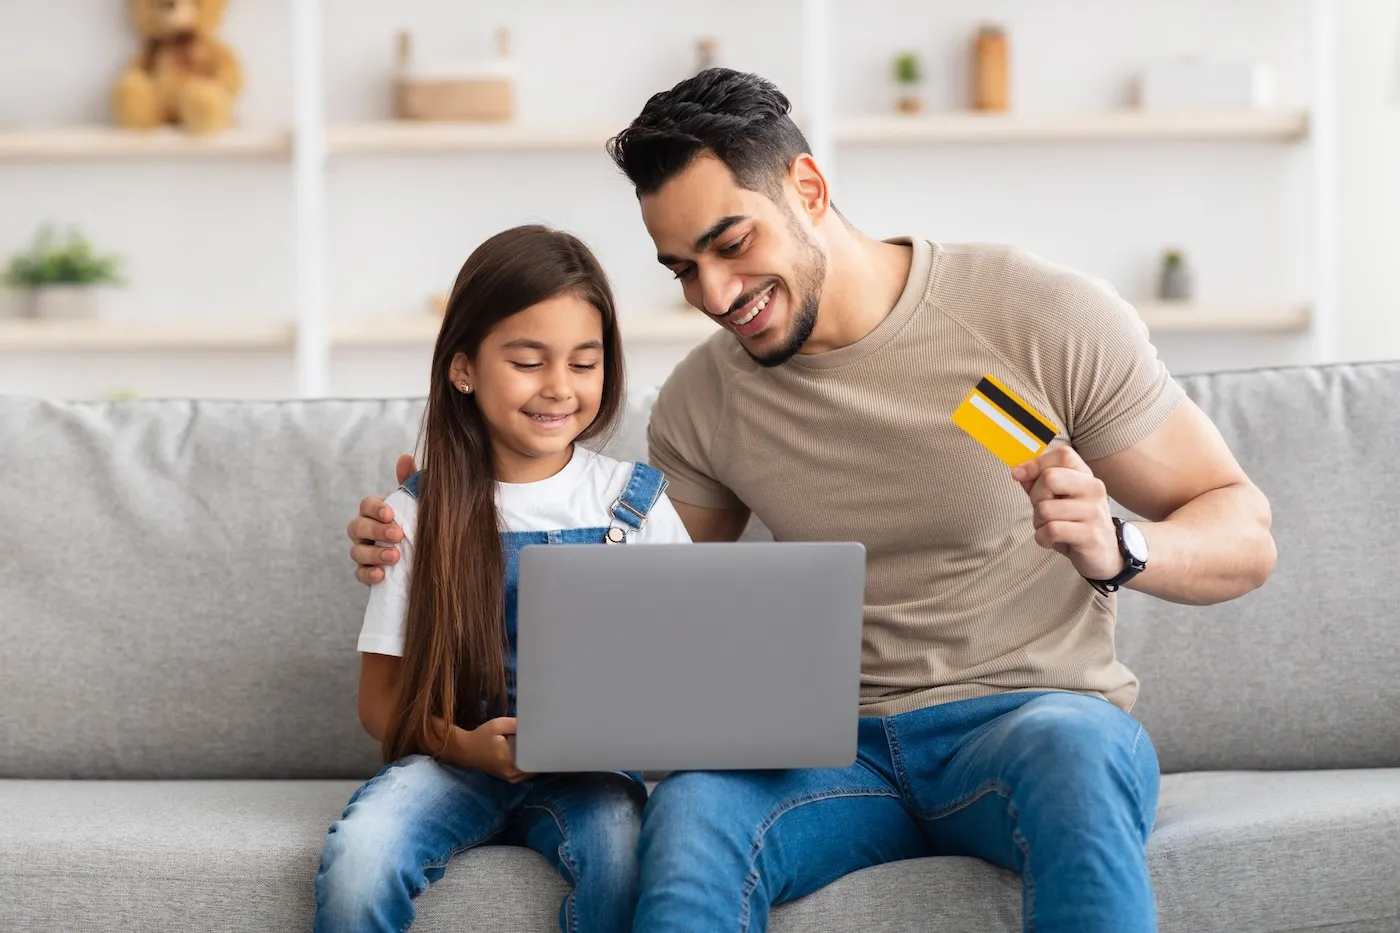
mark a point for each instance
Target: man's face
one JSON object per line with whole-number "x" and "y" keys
{"x": 746, "y": 261}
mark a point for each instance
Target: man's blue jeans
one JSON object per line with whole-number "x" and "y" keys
{"x": 1059, "y": 787}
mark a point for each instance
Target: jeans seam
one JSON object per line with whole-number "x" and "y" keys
{"x": 565, "y": 856}
{"x": 1002, "y": 790}
{"x": 782, "y": 809}
{"x": 901, "y": 774}
{"x": 1137, "y": 780}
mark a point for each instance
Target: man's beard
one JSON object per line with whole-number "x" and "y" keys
{"x": 808, "y": 282}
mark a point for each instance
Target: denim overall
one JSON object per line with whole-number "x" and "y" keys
{"x": 400, "y": 829}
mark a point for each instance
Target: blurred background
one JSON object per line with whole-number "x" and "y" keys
{"x": 1231, "y": 166}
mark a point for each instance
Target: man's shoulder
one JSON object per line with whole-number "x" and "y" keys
{"x": 998, "y": 290}
{"x": 1002, "y": 267}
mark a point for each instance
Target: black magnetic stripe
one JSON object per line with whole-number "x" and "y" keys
{"x": 1027, "y": 420}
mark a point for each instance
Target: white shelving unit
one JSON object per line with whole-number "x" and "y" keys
{"x": 406, "y": 330}
{"x": 310, "y": 146}
{"x": 105, "y": 142}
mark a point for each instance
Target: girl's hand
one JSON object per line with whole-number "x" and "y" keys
{"x": 491, "y": 750}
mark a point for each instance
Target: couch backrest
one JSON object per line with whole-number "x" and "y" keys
{"x": 176, "y": 600}
{"x": 1305, "y": 671}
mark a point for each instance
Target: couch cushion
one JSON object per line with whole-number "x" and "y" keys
{"x": 1232, "y": 852}
{"x": 1300, "y": 673}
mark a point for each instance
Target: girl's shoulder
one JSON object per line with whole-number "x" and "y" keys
{"x": 404, "y": 502}
{"x": 607, "y": 474}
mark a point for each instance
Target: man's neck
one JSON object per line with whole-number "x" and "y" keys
{"x": 864, "y": 280}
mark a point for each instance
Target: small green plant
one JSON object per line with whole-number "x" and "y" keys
{"x": 907, "y": 69}
{"x": 53, "y": 262}
{"x": 1172, "y": 258}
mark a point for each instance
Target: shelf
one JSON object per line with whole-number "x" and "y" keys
{"x": 409, "y": 330}
{"x": 409, "y": 136}
{"x": 1162, "y": 318}
{"x": 413, "y": 330}
{"x": 25, "y": 334}
{"x": 105, "y": 142}
{"x": 1112, "y": 126}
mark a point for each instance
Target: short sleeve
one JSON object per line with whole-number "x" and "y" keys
{"x": 383, "y": 628}
{"x": 1102, "y": 370}
{"x": 663, "y": 525}
{"x": 681, "y": 431}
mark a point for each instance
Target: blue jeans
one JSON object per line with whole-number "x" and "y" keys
{"x": 400, "y": 829}
{"x": 1059, "y": 787}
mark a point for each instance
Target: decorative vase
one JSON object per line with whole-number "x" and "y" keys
{"x": 1175, "y": 284}
{"x": 909, "y": 102}
{"x": 991, "y": 67}
{"x": 61, "y": 302}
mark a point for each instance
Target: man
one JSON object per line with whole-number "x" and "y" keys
{"x": 994, "y": 712}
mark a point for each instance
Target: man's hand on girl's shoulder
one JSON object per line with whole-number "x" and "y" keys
{"x": 376, "y": 523}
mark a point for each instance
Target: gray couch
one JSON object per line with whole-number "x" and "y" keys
{"x": 178, "y": 672}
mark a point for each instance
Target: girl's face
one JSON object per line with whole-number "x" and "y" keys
{"x": 538, "y": 380}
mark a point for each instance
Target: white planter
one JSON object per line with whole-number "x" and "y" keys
{"x": 62, "y": 302}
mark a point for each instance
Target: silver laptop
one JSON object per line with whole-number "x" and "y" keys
{"x": 678, "y": 657}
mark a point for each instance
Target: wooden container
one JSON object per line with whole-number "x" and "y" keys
{"x": 991, "y": 70}
{"x": 477, "y": 91}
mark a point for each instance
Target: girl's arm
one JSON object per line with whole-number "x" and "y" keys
{"x": 482, "y": 749}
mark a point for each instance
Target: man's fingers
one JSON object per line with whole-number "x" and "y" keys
{"x": 404, "y": 468}
{"x": 1062, "y": 481}
{"x": 1061, "y": 536}
{"x": 1067, "y": 510}
{"x": 373, "y": 508}
{"x": 365, "y": 530}
{"x": 372, "y": 555}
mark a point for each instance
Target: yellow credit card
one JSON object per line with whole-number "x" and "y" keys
{"x": 999, "y": 421}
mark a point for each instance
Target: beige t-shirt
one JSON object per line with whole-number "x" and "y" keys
{"x": 857, "y": 444}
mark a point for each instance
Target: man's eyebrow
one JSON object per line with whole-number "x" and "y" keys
{"x": 706, "y": 238}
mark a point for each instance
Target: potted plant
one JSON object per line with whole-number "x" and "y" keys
{"x": 1175, "y": 283}
{"x": 908, "y": 74}
{"x": 59, "y": 279}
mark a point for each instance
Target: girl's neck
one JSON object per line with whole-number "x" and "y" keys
{"x": 515, "y": 468}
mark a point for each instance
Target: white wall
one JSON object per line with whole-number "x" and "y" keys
{"x": 215, "y": 238}
{"x": 1368, "y": 113}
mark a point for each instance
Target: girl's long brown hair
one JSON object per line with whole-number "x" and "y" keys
{"x": 455, "y": 640}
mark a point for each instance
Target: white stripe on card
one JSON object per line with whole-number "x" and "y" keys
{"x": 1006, "y": 424}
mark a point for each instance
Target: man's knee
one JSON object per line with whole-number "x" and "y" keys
{"x": 698, "y": 811}
{"x": 1081, "y": 749}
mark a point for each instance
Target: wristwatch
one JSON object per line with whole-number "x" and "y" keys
{"x": 1133, "y": 546}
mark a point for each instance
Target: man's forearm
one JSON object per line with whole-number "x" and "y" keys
{"x": 1214, "y": 548}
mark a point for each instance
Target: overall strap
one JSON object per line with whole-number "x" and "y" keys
{"x": 410, "y": 485}
{"x": 644, "y": 487}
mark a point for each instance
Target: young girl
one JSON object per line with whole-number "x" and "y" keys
{"x": 528, "y": 361}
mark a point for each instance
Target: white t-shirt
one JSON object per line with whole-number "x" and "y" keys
{"x": 578, "y": 496}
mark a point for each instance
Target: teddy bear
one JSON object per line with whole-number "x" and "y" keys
{"x": 182, "y": 75}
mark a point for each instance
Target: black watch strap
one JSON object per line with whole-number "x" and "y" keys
{"x": 1131, "y": 565}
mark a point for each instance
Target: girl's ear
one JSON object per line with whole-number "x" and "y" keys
{"x": 460, "y": 373}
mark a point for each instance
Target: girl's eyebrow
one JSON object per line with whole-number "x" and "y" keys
{"x": 525, "y": 343}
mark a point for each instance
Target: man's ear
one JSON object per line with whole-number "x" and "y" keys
{"x": 813, "y": 195}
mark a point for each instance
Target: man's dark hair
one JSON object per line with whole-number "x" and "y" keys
{"x": 742, "y": 119}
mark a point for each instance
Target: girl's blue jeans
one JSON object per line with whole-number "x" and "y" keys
{"x": 1059, "y": 787}
{"x": 400, "y": 829}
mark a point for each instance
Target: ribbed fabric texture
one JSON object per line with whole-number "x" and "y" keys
{"x": 858, "y": 444}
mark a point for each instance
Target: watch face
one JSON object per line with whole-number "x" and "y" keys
{"x": 1134, "y": 542}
